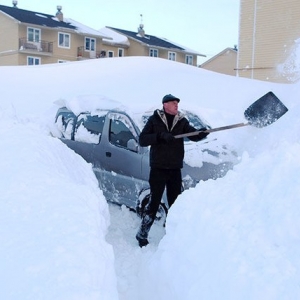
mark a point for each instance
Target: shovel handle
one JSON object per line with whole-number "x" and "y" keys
{"x": 211, "y": 130}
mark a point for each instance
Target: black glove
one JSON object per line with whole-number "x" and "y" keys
{"x": 166, "y": 137}
{"x": 202, "y": 134}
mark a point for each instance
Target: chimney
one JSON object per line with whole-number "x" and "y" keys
{"x": 141, "y": 30}
{"x": 59, "y": 14}
{"x": 15, "y": 3}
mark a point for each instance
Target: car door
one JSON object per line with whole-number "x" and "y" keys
{"x": 87, "y": 134}
{"x": 123, "y": 164}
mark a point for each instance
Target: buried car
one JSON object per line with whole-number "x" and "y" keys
{"x": 107, "y": 137}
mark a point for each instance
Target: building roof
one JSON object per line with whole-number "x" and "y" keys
{"x": 36, "y": 18}
{"x": 115, "y": 37}
{"x": 86, "y": 30}
{"x": 148, "y": 39}
{"x": 154, "y": 41}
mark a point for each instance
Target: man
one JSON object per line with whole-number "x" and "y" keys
{"x": 166, "y": 158}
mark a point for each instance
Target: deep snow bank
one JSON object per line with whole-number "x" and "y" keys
{"x": 53, "y": 220}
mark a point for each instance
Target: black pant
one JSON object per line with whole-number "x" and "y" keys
{"x": 160, "y": 179}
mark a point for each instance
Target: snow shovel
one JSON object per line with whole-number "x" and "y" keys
{"x": 263, "y": 112}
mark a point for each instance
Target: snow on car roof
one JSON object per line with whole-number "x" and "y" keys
{"x": 90, "y": 103}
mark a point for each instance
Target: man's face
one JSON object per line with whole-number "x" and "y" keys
{"x": 171, "y": 107}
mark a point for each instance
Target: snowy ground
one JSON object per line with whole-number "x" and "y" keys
{"x": 128, "y": 257}
{"x": 234, "y": 238}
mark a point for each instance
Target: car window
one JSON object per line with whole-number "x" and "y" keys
{"x": 121, "y": 130}
{"x": 65, "y": 121}
{"x": 89, "y": 128}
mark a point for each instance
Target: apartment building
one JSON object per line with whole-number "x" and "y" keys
{"x": 269, "y": 40}
{"x": 141, "y": 44}
{"x": 33, "y": 38}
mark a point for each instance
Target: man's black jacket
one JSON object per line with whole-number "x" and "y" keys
{"x": 166, "y": 155}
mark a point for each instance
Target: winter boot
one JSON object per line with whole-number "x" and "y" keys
{"x": 142, "y": 234}
{"x": 143, "y": 241}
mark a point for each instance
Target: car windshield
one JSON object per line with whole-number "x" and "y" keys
{"x": 194, "y": 119}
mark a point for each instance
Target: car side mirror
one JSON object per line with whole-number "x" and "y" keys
{"x": 132, "y": 145}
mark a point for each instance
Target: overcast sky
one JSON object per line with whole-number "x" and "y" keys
{"x": 206, "y": 26}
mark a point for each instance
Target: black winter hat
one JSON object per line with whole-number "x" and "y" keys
{"x": 169, "y": 97}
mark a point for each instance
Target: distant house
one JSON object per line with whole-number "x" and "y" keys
{"x": 223, "y": 62}
{"x": 130, "y": 43}
{"x": 269, "y": 40}
{"x": 33, "y": 38}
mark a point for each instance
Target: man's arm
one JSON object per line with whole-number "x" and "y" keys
{"x": 196, "y": 138}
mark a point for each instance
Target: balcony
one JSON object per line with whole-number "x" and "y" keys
{"x": 40, "y": 47}
{"x": 83, "y": 54}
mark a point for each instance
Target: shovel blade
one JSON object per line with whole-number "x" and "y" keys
{"x": 265, "y": 111}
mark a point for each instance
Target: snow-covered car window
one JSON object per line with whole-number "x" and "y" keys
{"x": 65, "y": 121}
{"x": 120, "y": 132}
{"x": 89, "y": 128}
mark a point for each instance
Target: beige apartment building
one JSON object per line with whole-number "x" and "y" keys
{"x": 269, "y": 40}
{"x": 140, "y": 43}
{"x": 33, "y": 38}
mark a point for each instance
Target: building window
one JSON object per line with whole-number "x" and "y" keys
{"x": 172, "y": 56}
{"x": 189, "y": 59}
{"x": 110, "y": 53}
{"x": 33, "y": 34}
{"x": 120, "y": 52}
{"x": 90, "y": 44}
{"x": 64, "y": 40}
{"x": 153, "y": 52}
{"x": 32, "y": 61}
